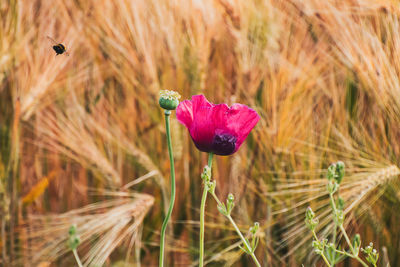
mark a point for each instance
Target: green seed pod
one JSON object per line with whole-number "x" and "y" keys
{"x": 168, "y": 104}
{"x": 169, "y": 100}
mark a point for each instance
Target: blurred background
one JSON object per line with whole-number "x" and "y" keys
{"x": 82, "y": 138}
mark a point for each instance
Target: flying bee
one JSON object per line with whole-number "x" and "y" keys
{"x": 58, "y": 47}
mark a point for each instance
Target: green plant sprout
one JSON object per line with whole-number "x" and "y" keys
{"x": 330, "y": 252}
{"x": 73, "y": 243}
{"x": 226, "y": 209}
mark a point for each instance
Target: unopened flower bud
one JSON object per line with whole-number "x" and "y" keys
{"x": 254, "y": 228}
{"x": 230, "y": 203}
{"x": 336, "y": 172}
{"x": 331, "y": 171}
{"x": 357, "y": 243}
{"x": 357, "y": 240}
{"x": 311, "y": 221}
{"x": 318, "y": 246}
{"x": 339, "y": 171}
{"x": 211, "y": 186}
{"x": 206, "y": 175}
{"x": 309, "y": 213}
{"x": 368, "y": 249}
{"x": 72, "y": 230}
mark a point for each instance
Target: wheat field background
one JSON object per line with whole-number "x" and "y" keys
{"x": 82, "y": 138}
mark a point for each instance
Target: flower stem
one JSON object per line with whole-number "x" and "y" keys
{"x": 77, "y": 258}
{"x": 210, "y": 157}
{"x": 322, "y": 253}
{"x": 334, "y": 228}
{"x": 347, "y": 239}
{"x": 344, "y": 253}
{"x": 202, "y": 212}
{"x": 172, "y": 201}
{"x": 351, "y": 247}
{"x": 351, "y": 256}
{"x": 326, "y": 260}
{"x": 355, "y": 255}
{"x": 244, "y": 240}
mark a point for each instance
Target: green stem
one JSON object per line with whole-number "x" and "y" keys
{"x": 77, "y": 258}
{"x": 244, "y": 240}
{"x": 210, "y": 157}
{"x": 355, "y": 255}
{"x": 172, "y": 201}
{"x": 322, "y": 254}
{"x": 202, "y": 212}
{"x": 334, "y": 243}
{"x": 334, "y": 228}
{"x": 347, "y": 239}
{"x": 325, "y": 259}
{"x": 344, "y": 253}
{"x": 341, "y": 225}
{"x": 352, "y": 256}
{"x": 351, "y": 247}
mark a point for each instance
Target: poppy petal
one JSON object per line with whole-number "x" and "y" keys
{"x": 219, "y": 117}
{"x": 184, "y": 113}
{"x": 240, "y": 121}
{"x": 202, "y": 128}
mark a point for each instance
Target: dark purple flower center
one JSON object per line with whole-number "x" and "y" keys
{"x": 223, "y": 144}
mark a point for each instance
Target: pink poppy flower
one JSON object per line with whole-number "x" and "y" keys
{"x": 216, "y": 128}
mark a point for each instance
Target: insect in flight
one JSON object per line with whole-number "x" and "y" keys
{"x": 58, "y": 47}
